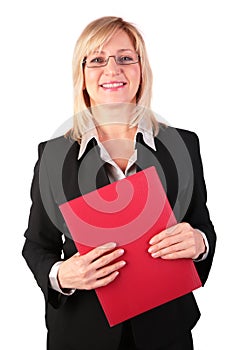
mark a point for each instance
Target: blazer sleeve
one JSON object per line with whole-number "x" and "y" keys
{"x": 43, "y": 244}
{"x": 197, "y": 214}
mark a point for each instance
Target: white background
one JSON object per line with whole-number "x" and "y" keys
{"x": 190, "y": 49}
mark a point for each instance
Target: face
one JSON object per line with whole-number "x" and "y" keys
{"x": 113, "y": 83}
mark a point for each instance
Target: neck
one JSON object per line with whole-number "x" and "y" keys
{"x": 115, "y": 132}
{"x": 113, "y": 120}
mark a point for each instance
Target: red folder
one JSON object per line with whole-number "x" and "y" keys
{"x": 130, "y": 212}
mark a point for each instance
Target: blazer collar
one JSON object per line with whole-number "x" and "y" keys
{"x": 81, "y": 176}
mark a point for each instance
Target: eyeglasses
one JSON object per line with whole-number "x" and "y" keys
{"x": 102, "y": 61}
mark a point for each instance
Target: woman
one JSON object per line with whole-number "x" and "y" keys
{"x": 114, "y": 135}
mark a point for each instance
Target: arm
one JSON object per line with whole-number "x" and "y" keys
{"x": 185, "y": 240}
{"x": 198, "y": 214}
{"x": 43, "y": 245}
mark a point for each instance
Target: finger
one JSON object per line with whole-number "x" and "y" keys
{"x": 99, "y": 251}
{"x": 105, "y": 281}
{"x": 182, "y": 254}
{"x": 173, "y": 230}
{"x": 105, "y": 271}
{"x": 166, "y": 242}
{"x": 107, "y": 258}
{"x": 105, "y": 275}
{"x": 170, "y": 250}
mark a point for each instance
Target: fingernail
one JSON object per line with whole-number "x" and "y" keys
{"x": 150, "y": 250}
{"x": 108, "y": 245}
{"x": 170, "y": 229}
{"x": 121, "y": 251}
{"x": 154, "y": 255}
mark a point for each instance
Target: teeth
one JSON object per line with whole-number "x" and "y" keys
{"x": 112, "y": 85}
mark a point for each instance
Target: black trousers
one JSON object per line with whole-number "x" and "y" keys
{"x": 184, "y": 342}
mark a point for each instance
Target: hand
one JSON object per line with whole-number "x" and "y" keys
{"x": 179, "y": 241}
{"x": 91, "y": 270}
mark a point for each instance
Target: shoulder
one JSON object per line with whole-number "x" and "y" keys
{"x": 173, "y": 135}
{"x": 170, "y": 130}
{"x": 57, "y": 141}
{"x": 57, "y": 146}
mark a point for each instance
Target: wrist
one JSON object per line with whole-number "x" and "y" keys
{"x": 202, "y": 247}
{"x": 60, "y": 280}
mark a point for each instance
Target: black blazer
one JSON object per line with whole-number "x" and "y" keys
{"x": 77, "y": 321}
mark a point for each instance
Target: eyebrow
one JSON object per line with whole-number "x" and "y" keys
{"x": 103, "y": 52}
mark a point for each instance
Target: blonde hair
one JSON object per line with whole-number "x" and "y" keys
{"x": 95, "y": 35}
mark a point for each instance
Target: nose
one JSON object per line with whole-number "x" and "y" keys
{"x": 112, "y": 67}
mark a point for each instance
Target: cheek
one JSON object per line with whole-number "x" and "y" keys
{"x": 136, "y": 78}
{"x": 90, "y": 79}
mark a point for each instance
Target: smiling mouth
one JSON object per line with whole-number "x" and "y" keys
{"x": 112, "y": 85}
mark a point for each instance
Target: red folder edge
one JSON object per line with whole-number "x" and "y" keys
{"x": 144, "y": 283}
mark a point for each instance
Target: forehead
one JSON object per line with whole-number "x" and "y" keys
{"x": 119, "y": 41}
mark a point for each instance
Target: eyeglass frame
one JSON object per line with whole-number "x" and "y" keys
{"x": 107, "y": 60}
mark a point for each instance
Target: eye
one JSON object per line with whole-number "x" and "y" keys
{"x": 125, "y": 59}
{"x": 97, "y": 60}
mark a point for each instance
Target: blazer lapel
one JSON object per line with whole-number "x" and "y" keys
{"x": 147, "y": 157}
{"x": 162, "y": 160}
{"x": 84, "y": 175}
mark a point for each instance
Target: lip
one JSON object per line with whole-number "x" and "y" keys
{"x": 113, "y": 85}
